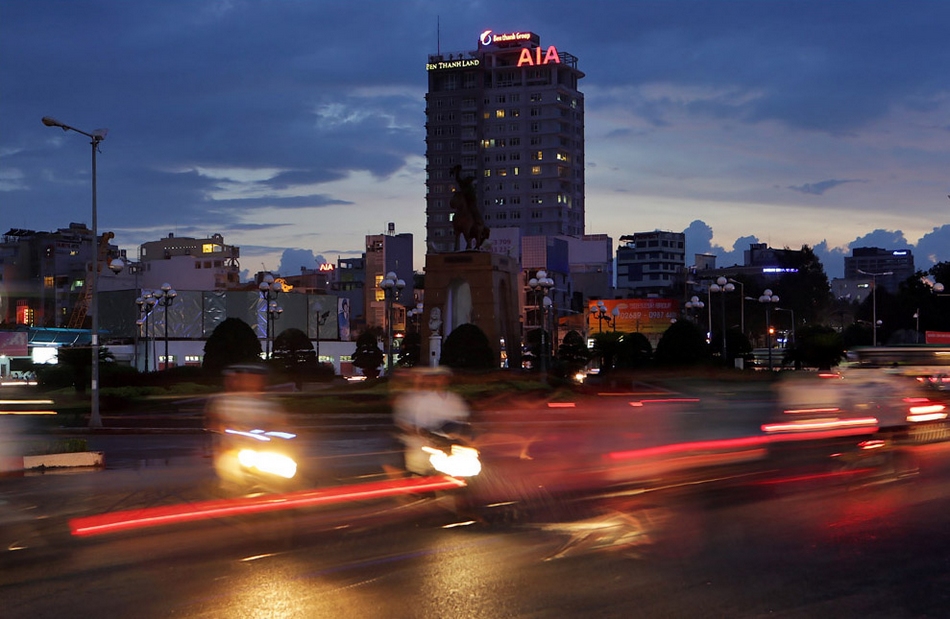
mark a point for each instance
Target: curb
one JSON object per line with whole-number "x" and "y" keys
{"x": 16, "y": 464}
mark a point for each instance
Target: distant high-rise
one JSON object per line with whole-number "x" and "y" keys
{"x": 511, "y": 116}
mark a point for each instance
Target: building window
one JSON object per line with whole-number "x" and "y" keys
{"x": 535, "y": 170}
{"x": 537, "y": 155}
{"x": 499, "y": 113}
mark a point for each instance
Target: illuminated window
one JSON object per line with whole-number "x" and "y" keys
{"x": 537, "y": 155}
{"x": 563, "y": 157}
{"x": 535, "y": 170}
{"x": 49, "y": 281}
{"x": 487, "y": 173}
{"x": 502, "y": 171}
{"x": 499, "y": 113}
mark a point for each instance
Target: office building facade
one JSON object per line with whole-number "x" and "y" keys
{"x": 510, "y": 116}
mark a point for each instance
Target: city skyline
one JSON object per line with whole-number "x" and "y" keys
{"x": 296, "y": 129}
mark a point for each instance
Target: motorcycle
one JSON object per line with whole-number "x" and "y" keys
{"x": 448, "y": 451}
{"x": 256, "y": 459}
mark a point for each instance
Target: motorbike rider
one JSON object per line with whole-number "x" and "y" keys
{"x": 426, "y": 406}
{"x": 243, "y": 407}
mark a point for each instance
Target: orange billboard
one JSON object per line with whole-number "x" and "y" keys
{"x": 633, "y": 315}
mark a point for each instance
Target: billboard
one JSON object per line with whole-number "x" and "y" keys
{"x": 633, "y": 315}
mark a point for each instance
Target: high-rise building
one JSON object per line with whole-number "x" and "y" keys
{"x": 651, "y": 263}
{"x": 510, "y": 117}
{"x": 387, "y": 253}
{"x": 888, "y": 267}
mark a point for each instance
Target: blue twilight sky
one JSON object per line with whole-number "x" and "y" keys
{"x": 295, "y": 127}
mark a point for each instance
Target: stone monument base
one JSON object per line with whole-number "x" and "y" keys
{"x": 480, "y": 288}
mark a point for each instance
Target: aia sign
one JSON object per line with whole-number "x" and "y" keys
{"x": 533, "y": 58}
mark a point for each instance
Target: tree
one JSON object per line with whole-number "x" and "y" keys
{"x": 683, "y": 343}
{"x": 232, "y": 341}
{"x": 368, "y": 356}
{"x": 605, "y": 349}
{"x": 573, "y": 354}
{"x": 467, "y": 348}
{"x": 633, "y": 351}
{"x": 294, "y": 354}
{"x": 816, "y": 346}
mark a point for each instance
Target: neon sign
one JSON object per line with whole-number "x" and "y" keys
{"x": 453, "y": 64}
{"x": 550, "y": 57}
{"x": 326, "y": 266}
{"x": 487, "y": 38}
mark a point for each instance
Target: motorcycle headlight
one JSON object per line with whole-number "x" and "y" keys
{"x": 268, "y": 462}
{"x": 460, "y": 461}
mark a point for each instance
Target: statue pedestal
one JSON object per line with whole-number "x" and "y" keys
{"x": 435, "y": 350}
{"x": 480, "y": 288}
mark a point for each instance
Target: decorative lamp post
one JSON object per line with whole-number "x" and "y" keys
{"x": 146, "y": 303}
{"x": 722, "y": 285}
{"x": 541, "y": 284}
{"x": 392, "y": 287}
{"x": 874, "y": 277}
{"x": 694, "y": 304}
{"x": 415, "y": 314}
{"x": 164, "y": 297}
{"x": 768, "y": 299}
{"x": 742, "y": 306}
{"x": 601, "y": 313}
{"x": 95, "y": 420}
{"x": 321, "y": 320}
{"x": 269, "y": 289}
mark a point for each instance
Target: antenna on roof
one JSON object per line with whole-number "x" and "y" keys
{"x": 438, "y": 36}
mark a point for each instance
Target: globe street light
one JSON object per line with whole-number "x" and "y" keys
{"x": 146, "y": 303}
{"x": 392, "y": 286}
{"x": 768, "y": 299}
{"x": 601, "y": 313}
{"x": 270, "y": 288}
{"x": 874, "y": 277}
{"x": 694, "y": 303}
{"x": 95, "y": 420}
{"x": 541, "y": 284}
{"x": 722, "y": 285}
{"x": 164, "y": 297}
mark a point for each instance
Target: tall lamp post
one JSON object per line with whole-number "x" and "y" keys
{"x": 742, "y": 306}
{"x": 694, "y": 304}
{"x": 792, "y": 312}
{"x": 601, "y": 313}
{"x": 95, "y": 420}
{"x": 874, "y": 277}
{"x": 768, "y": 299}
{"x": 392, "y": 286}
{"x": 269, "y": 290}
{"x": 164, "y": 297}
{"x": 722, "y": 285}
{"x": 145, "y": 302}
{"x": 541, "y": 284}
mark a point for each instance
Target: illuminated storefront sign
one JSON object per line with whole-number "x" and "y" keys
{"x": 527, "y": 59}
{"x": 461, "y": 63}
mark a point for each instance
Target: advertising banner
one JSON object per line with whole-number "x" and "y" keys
{"x": 14, "y": 344}
{"x": 633, "y": 315}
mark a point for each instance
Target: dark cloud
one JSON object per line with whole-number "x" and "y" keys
{"x": 819, "y": 188}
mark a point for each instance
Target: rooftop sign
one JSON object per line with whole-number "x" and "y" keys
{"x": 461, "y": 63}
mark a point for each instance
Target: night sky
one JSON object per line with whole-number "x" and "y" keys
{"x": 294, "y": 128}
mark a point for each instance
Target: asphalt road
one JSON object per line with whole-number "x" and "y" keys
{"x": 780, "y": 538}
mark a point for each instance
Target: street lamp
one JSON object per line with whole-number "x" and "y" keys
{"x": 415, "y": 315}
{"x": 768, "y": 299}
{"x": 145, "y": 302}
{"x": 269, "y": 290}
{"x": 95, "y": 420}
{"x": 321, "y": 320}
{"x": 601, "y": 313}
{"x": 164, "y": 297}
{"x": 392, "y": 286}
{"x": 541, "y": 284}
{"x": 874, "y": 277}
{"x": 722, "y": 285}
{"x": 694, "y": 303}
{"x": 792, "y": 312}
{"x": 742, "y": 306}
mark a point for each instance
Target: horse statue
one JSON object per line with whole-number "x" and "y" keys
{"x": 467, "y": 220}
